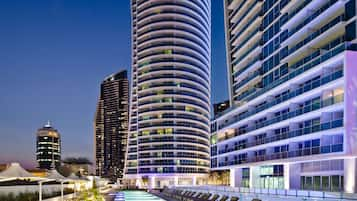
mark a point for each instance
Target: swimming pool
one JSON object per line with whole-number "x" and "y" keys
{"x": 135, "y": 195}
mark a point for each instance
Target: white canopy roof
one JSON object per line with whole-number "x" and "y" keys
{"x": 55, "y": 175}
{"x": 15, "y": 171}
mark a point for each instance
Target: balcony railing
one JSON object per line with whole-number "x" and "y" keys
{"x": 333, "y": 52}
{"x": 305, "y": 88}
{"x": 246, "y": 80}
{"x": 317, "y": 33}
{"x": 245, "y": 14}
{"x": 289, "y": 154}
{"x": 312, "y": 17}
{"x": 286, "y": 135}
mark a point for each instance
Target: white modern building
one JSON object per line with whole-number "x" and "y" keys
{"x": 292, "y": 68}
{"x": 169, "y": 119}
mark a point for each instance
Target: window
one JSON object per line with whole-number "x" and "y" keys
{"x": 167, "y": 51}
{"x": 169, "y": 130}
{"x": 308, "y": 182}
{"x": 335, "y": 183}
{"x": 160, "y": 131}
{"x": 325, "y": 183}
{"x": 317, "y": 183}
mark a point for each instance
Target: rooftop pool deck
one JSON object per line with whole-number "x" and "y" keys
{"x": 135, "y": 195}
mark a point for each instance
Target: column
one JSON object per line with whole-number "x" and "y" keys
{"x": 293, "y": 177}
{"x": 152, "y": 182}
{"x": 176, "y": 182}
{"x": 194, "y": 181}
{"x": 254, "y": 177}
{"x": 235, "y": 177}
{"x": 350, "y": 175}
{"x": 286, "y": 176}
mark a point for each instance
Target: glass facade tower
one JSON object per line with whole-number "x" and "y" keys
{"x": 170, "y": 98}
{"x": 292, "y": 71}
{"x": 111, "y": 126}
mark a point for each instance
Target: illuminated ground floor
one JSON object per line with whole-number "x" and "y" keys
{"x": 337, "y": 175}
{"x": 163, "y": 180}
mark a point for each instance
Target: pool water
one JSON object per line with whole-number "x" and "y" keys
{"x": 135, "y": 195}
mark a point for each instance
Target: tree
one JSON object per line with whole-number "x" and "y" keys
{"x": 77, "y": 161}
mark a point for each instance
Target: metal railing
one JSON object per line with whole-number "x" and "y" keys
{"x": 259, "y": 192}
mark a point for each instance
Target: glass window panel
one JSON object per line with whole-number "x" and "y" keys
{"x": 302, "y": 182}
{"x": 308, "y": 182}
{"x": 325, "y": 183}
{"x": 317, "y": 183}
{"x": 335, "y": 183}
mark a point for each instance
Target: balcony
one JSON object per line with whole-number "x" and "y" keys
{"x": 243, "y": 8}
{"x": 286, "y": 155}
{"x": 252, "y": 52}
{"x": 309, "y": 108}
{"x": 312, "y": 20}
{"x": 252, "y": 65}
{"x": 301, "y": 69}
{"x": 247, "y": 15}
{"x": 300, "y": 152}
{"x": 305, "y": 88}
{"x": 320, "y": 35}
{"x": 252, "y": 37}
{"x": 298, "y": 13}
{"x": 306, "y": 109}
{"x": 246, "y": 80}
{"x": 287, "y": 135}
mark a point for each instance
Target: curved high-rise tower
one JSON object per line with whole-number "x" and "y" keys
{"x": 170, "y": 103}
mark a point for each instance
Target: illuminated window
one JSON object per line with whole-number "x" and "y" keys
{"x": 145, "y": 132}
{"x": 144, "y": 63}
{"x": 213, "y": 139}
{"x": 158, "y": 11}
{"x": 160, "y": 131}
{"x": 145, "y": 86}
{"x": 159, "y": 169}
{"x": 168, "y": 100}
{"x": 189, "y": 109}
{"x": 168, "y": 51}
{"x": 168, "y": 130}
{"x": 146, "y": 117}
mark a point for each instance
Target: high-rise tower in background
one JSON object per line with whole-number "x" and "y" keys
{"x": 170, "y": 103}
{"x": 292, "y": 67}
{"x": 48, "y": 144}
{"x": 111, "y": 126}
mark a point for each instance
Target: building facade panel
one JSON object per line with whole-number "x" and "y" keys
{"x": 290, "y": 66}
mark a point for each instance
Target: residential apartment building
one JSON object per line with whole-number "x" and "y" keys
{"x": 170, "y": 98}
{"x": 111, "y": 126}
{"x": 292, "y": 78}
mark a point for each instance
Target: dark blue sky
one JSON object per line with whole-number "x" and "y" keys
{"x": 53, "y": 56}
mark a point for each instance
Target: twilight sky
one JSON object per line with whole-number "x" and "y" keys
{"x": 53, "y": 56}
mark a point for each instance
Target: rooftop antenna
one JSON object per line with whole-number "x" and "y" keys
{"x": 48, "y": 125}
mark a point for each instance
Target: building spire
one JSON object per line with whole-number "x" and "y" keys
{"x": 48, "y": 125}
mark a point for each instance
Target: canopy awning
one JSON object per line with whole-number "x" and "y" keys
{"x": 15, "y": 171}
